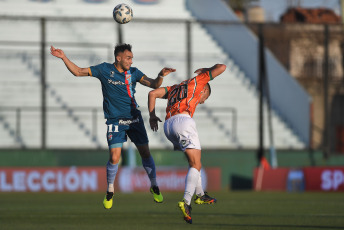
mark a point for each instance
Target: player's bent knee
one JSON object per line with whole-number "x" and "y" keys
{"x": 115, "y": 155}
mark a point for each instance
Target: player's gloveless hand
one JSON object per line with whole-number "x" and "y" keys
{"x": 201, "y": 70}
{"x": 57, "y": 52}
{"x": 153, "y": 122}
{"x": 165, "y": 71}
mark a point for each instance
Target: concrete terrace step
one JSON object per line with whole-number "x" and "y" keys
{"x": 155, "y": 45}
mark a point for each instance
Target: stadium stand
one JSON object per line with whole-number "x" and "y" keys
{"x": 229, "y": 119}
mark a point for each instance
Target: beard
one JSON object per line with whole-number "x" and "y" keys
{"x": 124, "y": 67}
{"x": 121, "y": 66}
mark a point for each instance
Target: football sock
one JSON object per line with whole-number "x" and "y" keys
{"x": 111, "y": 171}
{"x": 199, "y": 188}
{"x": 190, "y": 184}
{"x": 149, "y": 166}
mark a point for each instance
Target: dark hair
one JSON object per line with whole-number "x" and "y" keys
{"x": 120, "y": 48}
{"x": 209, "y": 88}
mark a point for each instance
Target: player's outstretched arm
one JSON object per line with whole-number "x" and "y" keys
{"x": 156, "y": 83}
{"x": 74, "y": 69}
{"x": 152, "y": 96}
{"x": 215, "y": 70}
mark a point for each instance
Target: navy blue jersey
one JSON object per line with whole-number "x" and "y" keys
{"x": 118, "y": 90}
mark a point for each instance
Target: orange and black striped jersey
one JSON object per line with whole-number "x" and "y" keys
{"x": 186, "y": 95}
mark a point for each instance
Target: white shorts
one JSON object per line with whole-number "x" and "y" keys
{"x": 181, "y": 131}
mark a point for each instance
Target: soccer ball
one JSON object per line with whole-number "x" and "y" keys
{"x": 122, "y": 13}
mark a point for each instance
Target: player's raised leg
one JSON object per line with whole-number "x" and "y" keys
{"x": 111, "y": 171}
{"x": 205, "y": 199}
{"x": 149, "y": 165}
{"x": 202, "y": 197}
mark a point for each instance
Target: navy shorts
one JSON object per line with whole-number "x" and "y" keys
{"x": 119, "y": 129}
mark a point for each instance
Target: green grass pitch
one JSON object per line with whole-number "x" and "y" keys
{"x": 234, "y": 210}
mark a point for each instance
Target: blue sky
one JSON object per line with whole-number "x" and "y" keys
{"x": 274, "y": 8}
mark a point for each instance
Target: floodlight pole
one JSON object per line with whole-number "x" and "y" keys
{"x": 326, "y": 136}
{"x": 273, "y": 157}
{"x": 261, "y": 62}
{"x": 43, "y": 84}
{"x": 189, "y": 51}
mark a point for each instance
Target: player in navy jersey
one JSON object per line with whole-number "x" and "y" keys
{"x": 118, "y": 82}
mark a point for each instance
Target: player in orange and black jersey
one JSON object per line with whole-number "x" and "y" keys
{"x": 180, "y": 128}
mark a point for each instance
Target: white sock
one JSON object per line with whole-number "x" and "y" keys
{"x": 191, "y": 181}
{"x": 111, "y": 171}
{"x": 199, "y": 188}
{"x": 110, "y": 188}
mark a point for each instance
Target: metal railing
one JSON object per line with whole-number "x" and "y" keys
{"x": 285, "y": 35}
{"x": 90, "y": 117}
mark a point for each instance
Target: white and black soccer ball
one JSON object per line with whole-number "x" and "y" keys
{"x": 122, "y": 13}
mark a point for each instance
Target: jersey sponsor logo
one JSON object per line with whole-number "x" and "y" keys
{"x": 117, "y": 82}
{"x": 112, "y": 73}
{"x": 128, "y": 121}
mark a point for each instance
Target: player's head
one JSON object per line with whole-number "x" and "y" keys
{"x": 205, "y": 93}
{"x": 123, "y": 56}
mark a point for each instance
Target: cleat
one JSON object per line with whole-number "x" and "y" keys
{"x": 157, "y": 196}
{"x": 205, "y": 199}
{"x": 186, "y": 210}
{"x": 108, "y": 200}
